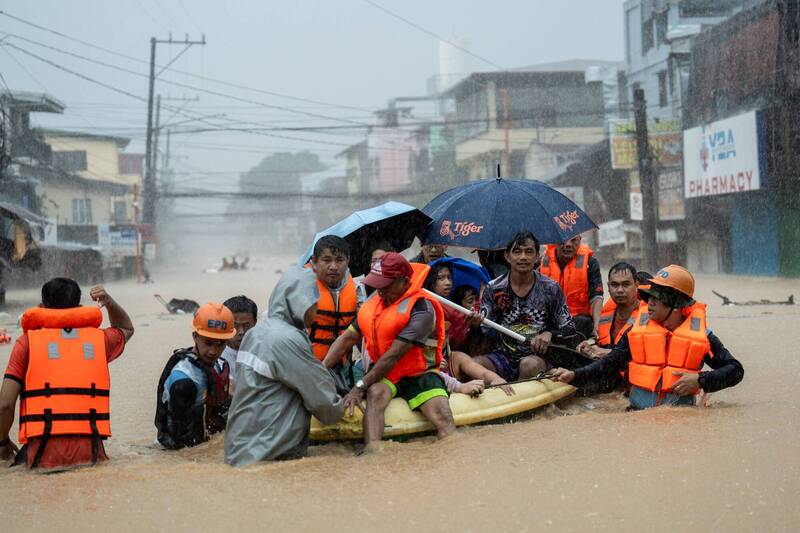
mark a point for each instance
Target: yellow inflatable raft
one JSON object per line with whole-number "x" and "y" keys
{"x": 493, "y": 404}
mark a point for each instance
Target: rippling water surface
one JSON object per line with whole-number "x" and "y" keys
{"x": 582, "y": 464}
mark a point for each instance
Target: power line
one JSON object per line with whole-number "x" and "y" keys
{"x": 150, "y": 15}
{"x": 184, "y": 73}
{"x": 179, "y": 84}
{"x": 432, "y": 34}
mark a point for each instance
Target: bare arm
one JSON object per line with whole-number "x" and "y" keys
{"x": 597, "y": 309}
{"x": 8, "y": 401}
{"x": 343, "y": 344}
{"x": 116, "y": 314}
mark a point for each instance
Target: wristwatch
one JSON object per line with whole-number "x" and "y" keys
{"x": 360, "y": 385}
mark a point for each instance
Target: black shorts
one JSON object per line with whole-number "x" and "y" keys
{"x": 418, "y": 389}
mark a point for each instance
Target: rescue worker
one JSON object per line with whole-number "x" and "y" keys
{"x": 405, "y": 334}
{"x": 59, "y": 369}
{"x": 280, "y": 383}
{"x": 577, "y": 272}
{"x": 192, "y": 398}
{"x": 666, "y": 348}
{"x": 338, "y": 301}
{"x": 530, "y": 304}
{"x": 245, "y": 316}
{"x": 619, "y": 312}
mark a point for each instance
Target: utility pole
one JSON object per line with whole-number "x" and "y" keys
{"x": 156, "y": 134}
{"x": 647, "y": 181}
{"x": 149, "y": 193}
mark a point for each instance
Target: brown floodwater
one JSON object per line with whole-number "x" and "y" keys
{"x": 586, "y": 463}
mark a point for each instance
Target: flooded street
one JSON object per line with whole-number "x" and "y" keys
{"x": 734, "y": 465}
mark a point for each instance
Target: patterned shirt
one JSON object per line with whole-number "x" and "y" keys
{"x": 542, "y": 309}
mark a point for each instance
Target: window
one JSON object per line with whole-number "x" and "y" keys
{"x": 473, "y": 113}
{"x": 647, "y": 35}
{"x": 706, "y": 8}
{"x": 71, "y": 161}
{"x": 662, "y": 89}
{"x": 81, "y": 211}
{"x": 120, "y": 211}
{"x": 661, "y": 27}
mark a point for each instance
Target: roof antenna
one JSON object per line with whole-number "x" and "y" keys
{"x": 498, "y": 170}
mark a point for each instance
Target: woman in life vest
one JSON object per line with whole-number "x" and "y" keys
{"x": 458, "y": 367}
{"x": 666, "y": 349}
{"x": 192, "y": 398}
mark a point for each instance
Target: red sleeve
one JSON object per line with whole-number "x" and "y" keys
{"x": 18, "y": 362}
{"x": 115, "y": 343}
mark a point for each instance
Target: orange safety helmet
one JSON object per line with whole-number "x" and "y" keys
{"x": 672, "y": 284}
{"x": 215, "y": 321}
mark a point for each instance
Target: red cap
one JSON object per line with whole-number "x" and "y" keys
{"x": 391, "y": 266}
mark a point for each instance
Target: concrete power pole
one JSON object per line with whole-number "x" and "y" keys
{"x": 647, "y": 180}
{"x": 150, "y": 193}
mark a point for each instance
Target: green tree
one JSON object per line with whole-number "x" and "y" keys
{"x": 280, "y": 172}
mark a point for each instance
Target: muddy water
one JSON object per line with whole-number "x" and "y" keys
{"x": 585, "y": 463}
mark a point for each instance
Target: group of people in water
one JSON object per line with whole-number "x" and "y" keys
{"x": 330, "y": 344}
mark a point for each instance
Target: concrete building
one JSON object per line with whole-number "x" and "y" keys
{"x": 552, "y": 111}
{"x": 657, "y": 40}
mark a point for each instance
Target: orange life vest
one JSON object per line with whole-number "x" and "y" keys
{"x": 574, "y": 279}
{"x": 331, "y": 320}
{"x": 607, "y": 322}
{"x": 380, "y": 326}
{"x": 656, "y": 352}
{"x": 67, "y": 384}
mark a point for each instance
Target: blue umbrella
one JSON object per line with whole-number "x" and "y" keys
{"x": 394, "y": 222}
{"x": 465, "y": 273}
{"x": 485, "y": 214}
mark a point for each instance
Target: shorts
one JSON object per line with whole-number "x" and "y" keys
{"x": 418, "y": 389}
{"x": 503, "y": 366}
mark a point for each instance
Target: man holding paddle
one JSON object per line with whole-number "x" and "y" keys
{"x": 528, "y": 303}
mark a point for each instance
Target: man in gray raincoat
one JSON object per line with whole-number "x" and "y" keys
{"x": 279, "y": 382}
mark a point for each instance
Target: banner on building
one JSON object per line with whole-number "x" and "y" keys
{"x": 670, "y": 195}
{"x": 665, "y": 143}
{"x": 636, "y": 204}
{"x": 122, "y": 240}
{"x": 727, "y": 156}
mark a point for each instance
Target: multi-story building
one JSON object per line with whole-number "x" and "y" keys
{"x": 550, "y": 111}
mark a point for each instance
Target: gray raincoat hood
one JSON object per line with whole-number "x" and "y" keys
{"x": 295, "y": 292}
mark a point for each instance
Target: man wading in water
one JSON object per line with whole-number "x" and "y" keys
{"x": 665, "y": 349}
{"x": 59, "y": 368}
{"x": 404, "y": 333}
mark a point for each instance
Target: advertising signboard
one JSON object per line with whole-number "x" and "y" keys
{"x": 727, "y": 156}
{"x": 665, "y": 144}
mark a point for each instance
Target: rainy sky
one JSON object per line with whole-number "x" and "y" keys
{"x": 345, "y": 58}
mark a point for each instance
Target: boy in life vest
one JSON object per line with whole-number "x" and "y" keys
{"x": 404, "y": 333}
{"x": 338, "y": 300}
{"x": 577, "y": 272}
{"x": 192, "y": 399}
{"x": 666, "y": 349}
{"x": 245, "y": 316}
{"x": 59, "y": 369}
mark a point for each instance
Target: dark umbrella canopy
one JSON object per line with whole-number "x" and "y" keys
{"x": 393, "y": 222}
{"x": 485, "y": 214}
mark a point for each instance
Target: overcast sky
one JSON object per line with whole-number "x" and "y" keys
{"x": 335, "y": 52}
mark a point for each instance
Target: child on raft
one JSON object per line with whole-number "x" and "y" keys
{"x": 457, "y": 366}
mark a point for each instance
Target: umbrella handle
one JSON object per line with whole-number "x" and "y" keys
{"x": 494, "y": 325}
